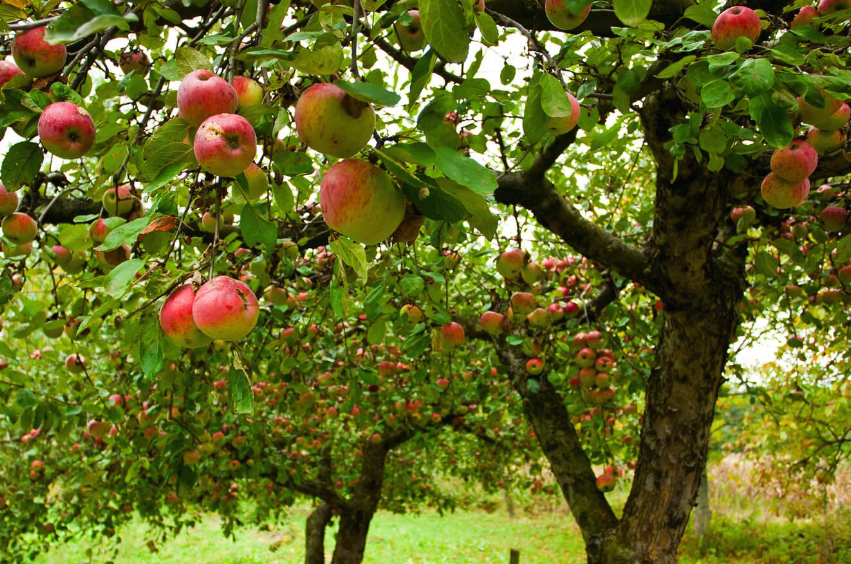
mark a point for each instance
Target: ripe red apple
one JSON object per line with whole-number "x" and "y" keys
{"x": 8, "y": 71}
{"x": 795, "y": 162}
{"x": 411, "y": 314}
{"x": 493, "y": 323}
{"x": 19, "y": 228}
{"x": 75, "y": 364}
{"x": 66, "y": 130}
{"x": 208, "y": 223}
{"x": 747, "y": 213}
{"x": 118, "y": 201}
{"x": 330, "y": 121}
{"x": 561, "y": 125}
{"x": 225, "y": 309}
{"x": 826, "y": 7}
{"x": 35, "y": 56}
{"x": 834, "y": 218}
{"x": 783, "y": 195}
{"x": 562, "y": 17}
{"x": 804, "y": 17}
{"x": 534, "y": 366}
{"x": 606, "y": 482}
{"x": 586, "y": 358}
{"x": 99, "y": 230}
{"x": 448, "y": 337}
{"x": 8, "y": 201}
{"x": 177, "y": 321}
{"x": 812, "y": 115}
{"x": 258, "y": 182}
{"x": 734, "y": 23}
{"x": 825, "y": 141}
{"x": 510, "y": 263}
{"x": 248, "y": 92}
{"x": 134, "y": 61}
{"x": 836, "y": 121}
{"x": 98, "y": 428}
{"x": 225, "y": 144}
{"x": 411, "y": 37}
{"x": 523, "y": 303}
{"x": 595, "y": 340}
{"x": 202, "y": 94}
{"x": 361, "y": 201}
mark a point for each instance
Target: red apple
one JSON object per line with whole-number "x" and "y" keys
{"x": 540, "y": 317}
{"x": 837, "y": 120}
{"x": 747, "y": 213}
{"x": 258, "y": 182}
{"x": 825, "y": 141}
{"x": 606, "y": 482}
{"x": 795, "y": 162}
{"x": 202, "y": 94}
{"x": 834, "y": 218}
{"x": 99, "y": 230}
{"x": 534, "y": 366}
{"x": 75, "y": 364}
{"x": 19, "y": 228}
{"x": 804, "y": 17}
{"x": 783, "y": 195}
{"x": 510, "y": 263}
{"x": 66, "y": 130}
{"x": 8, "y": 71}
{"x": 562, "y": 17}
{"x": 523, "y": 302}
{"x": 248, "y": 92}
{"x": 177, "y": 321}
{"x": 225, "y": 145}
{"x": 411, "y": 37}
{"x": 563, "y": 124}
{"x": 826, "y": 7}
{"x": 493, "y": 323}
{"x": 361, "y": 201}
{"x": 411, "y": 314}
{"x": 812, "y": 115}
{"x": 586, "y": 358}
{"x": 8, "y": 201}
{"x": 734, "y": 23}
{"x": 448, "y": 337}
{"x": 98, "y": 428}
{"x": 134, "y": 61}
{"x": 35, "y": 56}
{"x": 225, "y": 309}
{"x": 118, "y": 201}
{"x": 330, "y": 121}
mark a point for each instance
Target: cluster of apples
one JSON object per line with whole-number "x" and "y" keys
{"x": 222, "y": 309}
{"x": 18, "y": 228}
{"x": 358, "y": 199}
{"x": 596, "y": 367}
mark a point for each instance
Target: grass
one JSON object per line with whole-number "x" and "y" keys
{"x": 471, "y": 538}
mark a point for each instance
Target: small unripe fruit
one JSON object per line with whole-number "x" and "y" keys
{"x": 248, "y": 92}
{"x": 534, "y": 366}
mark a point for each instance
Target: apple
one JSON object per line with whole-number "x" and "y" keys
{"x": 595, "y": 340}
{"x": 75, "y": 364}
{"x": 118, "y": 201}
{"x": 563, "y": 124}
{"x": 826, "y": 7}
{"x": 361, "y": 201}
{"x": 746, "y": 213}
{"x": 19, "y": 228}
{"x": 448, "y": 337}
{"x": 110, "y": 259}
{"x": 35, "y": 56}
{"x": 66, "y": 130}
{"x": 825, "y": 141}
{"x": 411, "y": 37}
{"x": 99, "y": 229}
{"x": 795, "y": 162}
{"x": 177, "y": 322}
{"x": 18, "y": 252}
{"x": 531, "y": 273}
{"x": 248, "y": 92}
{"x": 523, "y": 303}
{"x": 540, "y": 317}
{"x": 8, "y": 201}
{"x": 812, "y": 115}
{"x": 8, "y": 71}
{"x": 411, "y": 314}
{"x": 804, "y": 17}
{"x": 834, "y": 218}
{"x": 837, "y": 120}
{"x": 510, "y": 263}
{"x": 784, "y": 195}
{"x": 225, "y": 144}
{"x": 134, "y": 61}
{"x": 61, "y": 254}
{"x": 586, "y": 358}
{"x": 208, "y": 223}
{"x": 191, "y": 457}
{"x": 734, "y": 23}
{"x": 330, "y": 121}
{"x": 534, "y": 366}
{"x": 225, "y": 309}
{"x": 202, "y": 94}
{"x": 561, "y": 16}
{"x": 98, "y": 428}
{"x": 493, "y": 323}
{"x": 258, "y": 182}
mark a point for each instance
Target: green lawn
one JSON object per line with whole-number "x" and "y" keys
{"x": 471, "y": 538}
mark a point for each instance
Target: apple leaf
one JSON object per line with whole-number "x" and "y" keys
{"x": 369, "y": 92}
{"x": 84, "y": 19}
{"x": 189, "y": 59}
{"x": 352, "y": 254}
{"x": 120, "y": 277}
{"x": 21, "y": 164}
{"x": 421, "y": 75}
{"x": 445, "y": 29}
{"x": 126, "y": 234}
{"x": 772, "y": 120}
{"x": 488, "y": 28}
{"x": 702, "y": 14}
{"x": 239, "y": 391}
{"x": 255, "y": 228}
{"x": 324, "y": 60}
{"x": 534, "y": 117}
{"x": 465, "y": 171}
{"x": 150, "y": 345}
{"x": 480, "y": 214}
{"x": 554, "y": 100}
{"x": 754, "y": 77}
{"x": 717, "y": 94}
{"x": 75, "y": 237}
{"x": 632, "y": 12}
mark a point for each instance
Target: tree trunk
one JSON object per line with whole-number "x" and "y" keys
{"x": 509, "y": 503}
{"x": 314, "y": 541}
{"x": 351, "y": 537}
{"x": 702, "y": 511}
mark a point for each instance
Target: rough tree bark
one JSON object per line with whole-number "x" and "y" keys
{"x": 702, "y": 511}
{"x": 314, "y": 534}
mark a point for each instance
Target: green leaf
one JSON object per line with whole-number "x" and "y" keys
{"x": 124, "y": 234}
{"x": 368, "y": 375}
{"x": 754, "y": 77}
{"x": 239, "y": 392}
{"x": 412, "y": 285}
{"x": 189, "y": 59}
{"x": 339, "y": 289}
{"x": 21, "y": 165}
{"x": 465, "y": 171}
{"x": 843, "y": 250}
{"x": 702, "y": 14}
{"x": 150, "y": 345}
{"x": 120, "y": 277}
{"x": 534, "y": 118}
{"x": 554, "y": 100}
{"x": 26, "y": 399}
{"x": 487, "y": 27}
{"x": 632, "y": 12}
{"x": 369, "y": 92}
{"x": 445, "y": 28}
{"x": 86, "y": 18}
{"x": 352, "y": 254}
{"x": 75, "y": 238}
{"x": 293, "y": 163}
{"x": 674, "y": 68}
{"x": 421, "y": 75}
{"x": 165, "y": 176}
{"x": 717, "y": 94}
{"x": 507, "y": 74}
{"x": 165, "y": 148}
{"x": 773, "y": 121}
{"x": 713, "y": 140}
{"x": 480, "y": 215}
{"x": 325, "y": 60}
{"x": 375, "y": 334}
{"x": 766, "y": 264}
{"x": 255, "y": 228}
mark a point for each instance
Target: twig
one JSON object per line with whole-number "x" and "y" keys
{"x": 355, "y": 20}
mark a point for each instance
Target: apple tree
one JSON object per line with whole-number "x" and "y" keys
{"x": 593, "y": 197}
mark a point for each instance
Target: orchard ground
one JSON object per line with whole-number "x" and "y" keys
{"x": 752, "y": 524}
